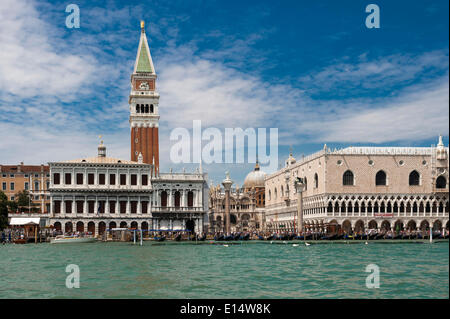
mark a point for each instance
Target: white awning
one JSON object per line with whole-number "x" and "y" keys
{"x": 18, "y": 221}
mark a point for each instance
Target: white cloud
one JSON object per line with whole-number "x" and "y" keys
{"x": 193, "y": 85}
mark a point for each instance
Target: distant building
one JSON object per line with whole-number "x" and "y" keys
{"x": 246, "y": 204}
{"x": 356, "y": 188}
{"x": 33, "y": 178}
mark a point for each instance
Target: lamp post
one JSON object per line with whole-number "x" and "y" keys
{"x": 227, "y": 182}
{"x": 299, "y": 188}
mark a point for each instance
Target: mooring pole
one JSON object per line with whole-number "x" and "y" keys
{"x": 141, "y": 237}
{"x": 134, "y": 237}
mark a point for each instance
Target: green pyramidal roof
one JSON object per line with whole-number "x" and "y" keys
{"x": 144, "y": 62}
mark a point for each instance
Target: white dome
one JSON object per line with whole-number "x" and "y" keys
{"x": 255, "y": 178}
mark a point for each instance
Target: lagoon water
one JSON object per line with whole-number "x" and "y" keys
{"x": 248, "y": 270}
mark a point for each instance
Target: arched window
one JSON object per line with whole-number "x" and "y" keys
{"x": 275, "y": 193}
{"x": 380, "y": 178}
{"x": 306, "y": 183}
{"x": 441, "y": 182}
{"x": 137, "y": 108}
{"x": 316, "y": 180}
{"x": 164, "y": 199}
{"x": 177, "y": 199}
{"x": 270, "y": 195}
{"x": 190, "y": 199}
{"x": 151, "y": 108}
{"x": 348, "y": 178}
{"x": 142, "y": 108}
{"x": 414, "y": 178}
{"x": 146, "y": 108}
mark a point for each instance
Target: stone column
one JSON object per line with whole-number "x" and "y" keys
{"x": 170, "y": 203}
{"x": 299, "y": 187}
{"x": 74, "y": 206}
{"x": 128, "y": 211}
{"x": 227, "y": 182}
{"x": 107, "y": 207}
{"x": 139, "y": 206}
{"x": 85, "y": 206}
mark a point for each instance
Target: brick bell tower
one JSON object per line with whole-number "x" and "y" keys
{"x": 143, "y": 101}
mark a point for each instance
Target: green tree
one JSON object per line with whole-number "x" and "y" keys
{"x": 3, "y": 211}
{"x": 24, "y": 202}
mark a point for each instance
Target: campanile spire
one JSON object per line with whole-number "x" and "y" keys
{"x": 143, "y": 101}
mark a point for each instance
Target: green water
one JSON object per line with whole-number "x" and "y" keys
{"x": 250, "y": 270}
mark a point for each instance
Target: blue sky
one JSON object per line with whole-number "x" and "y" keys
{"x": 310, "y": 68}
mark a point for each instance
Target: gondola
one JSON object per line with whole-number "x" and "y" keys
{"x": 219, "y": 238}
{"x": 271, "y": 237}
{"x": 389, "y": 236}
{"x": 162, "y": 238}
{"x": 308, "y": 237}
{"x": 301, "y": 237}
{"x": 329, "y": 237}
{"x": 340, "y": 236}
{"x": 291, "y": 236}
{"x": 228, "y": 238}
{"x": 260, "y": 237}
{"x": 373, "y": 236}
{"x": 357, "y": 236}
{"x": 178, "y": 237}
{"x": 398, "y": 236}
{"x": 202, "y": 238}
{"x": 244, "y": 237}
{"x": 364, "y": 237}
{"x": 380, "y": 236}
{"x": 237, "y": 236}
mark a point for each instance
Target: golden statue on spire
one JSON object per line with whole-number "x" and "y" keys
{"x": 142, "y": 25}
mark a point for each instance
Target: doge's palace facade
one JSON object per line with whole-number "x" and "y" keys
{"x": 358, "y": 188}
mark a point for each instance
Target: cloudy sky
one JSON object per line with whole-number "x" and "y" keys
{"x": 309, "y": 68}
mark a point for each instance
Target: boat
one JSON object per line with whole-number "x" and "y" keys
{"x": 162, "y": 238}
{"x": 237, "y": 236}
{"x": 260, "y": 237}
{"x": 301, "y": 237}
{"x": 219, "y": 238}
{"x": 228, "y": 238}
{"x": 61, "y": 239}
{"x": 245, "y": 237}
{"x": 178, "y": 237}
{"x": 20, "y": 241}
{"x": 270, "y": 237}
{"x": 329, "y": 237}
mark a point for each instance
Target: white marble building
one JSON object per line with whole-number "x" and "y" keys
{"x": 99, "y": 193}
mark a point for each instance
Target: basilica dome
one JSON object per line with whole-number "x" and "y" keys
{"x": 255, "y": 178}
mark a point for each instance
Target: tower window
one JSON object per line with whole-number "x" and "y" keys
{"x": 137, "y": 108}
{"x": 151, "y": 108}
{"x": 146, "y": 108}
